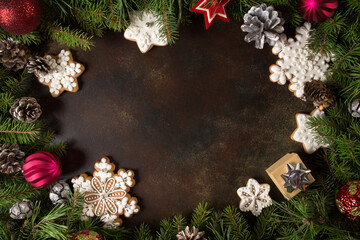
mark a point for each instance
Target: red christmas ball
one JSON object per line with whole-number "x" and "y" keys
{"x": 20, "y": 16}
{"x": 86, "y": 235}
{"x": 348, "y": 200}
{"x": 42, "y": 168}
{"x": 317, "y": 10}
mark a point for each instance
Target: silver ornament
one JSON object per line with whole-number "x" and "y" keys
{"x": 22, "y": 210}
{"x": 60, "y": 192}
{"x": 354, "y": 108}
{"x": 263, "y": 24}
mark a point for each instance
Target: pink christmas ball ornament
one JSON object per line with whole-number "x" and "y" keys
{"x": 42, "y": 169}
{"x": 317, "y": 10}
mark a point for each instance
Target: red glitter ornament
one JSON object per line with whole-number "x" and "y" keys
{"x": 348, "y": 200}
{"x": 317, "y": 10}
{"x": 20, "y": 16}
{"x": 86, "y": 235}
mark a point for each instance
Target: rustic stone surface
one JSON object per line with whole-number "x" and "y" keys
{"x": 194, "y": 120}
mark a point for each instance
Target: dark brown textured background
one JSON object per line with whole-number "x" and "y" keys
{"x": 194, "y": 120}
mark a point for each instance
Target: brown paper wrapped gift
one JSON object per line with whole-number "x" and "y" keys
{"x": 278, "y": 168}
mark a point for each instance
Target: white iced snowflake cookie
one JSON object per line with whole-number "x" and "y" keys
{"x": 144, "y": 30}
{"x": 106, "y": 193}
{"x": 296, "y": 62}
{"x": 254, "y": 197}
{"x": 63, "y": 73}
{"x": 305, "y": 135}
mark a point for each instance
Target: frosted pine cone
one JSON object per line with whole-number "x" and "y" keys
{"x": 317, "y": 92}
{"x": 22, "y": 210}
{"x": 26, "y": 109}
{"x": 193, "y": 235}
{"x": 38, "y": 65}
{"x": 13, "y": 54}
{"x": 59, "y": 192}
{"x": 11, "y": 158}
{"x": 263, "y": 24}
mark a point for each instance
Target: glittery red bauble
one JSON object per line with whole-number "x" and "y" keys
{"x": 87, "y": 235}
{"x": 348, "y": 200}
{"x": 20, "y": 16}
{"x": 317, "y": 10}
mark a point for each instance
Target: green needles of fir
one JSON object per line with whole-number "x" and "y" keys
{"x": 201, "y": 215}
{"x": 45, "y": 142}
{"x": 167, "y": 19}
{"x": 71, "y": 37}
{"x": 170, "y": 227}
{"x": 265, "y": 225}
{"x": 6, "y": 100}
{"x": 17, "y": 86}
{"x": 233, "y": 218}
{"x": 142, "y": 232}
{"x": 14, "y": 131}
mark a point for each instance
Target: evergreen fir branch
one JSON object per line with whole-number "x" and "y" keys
{"x": 142, "y": 233}
{"x": 18, "y": 87}
{"x": 16, "y": 192}
{"x": 14, "y": 131}
{"x": 28, "y": 39}
{"x": 201, "y": 215}
{"x": 233, "y": 218}
{"x": 265, "y": 225}
{"x": 218, "y": 228}
{"x": 44, "y": 143}
{"x": 167, "y": 19}
{"x": 118, "y": 14}
{"x": 6, "y": 100}
{"x": 346, "y": 55}
{"x": 74, "y": 38}
{"x": 170, "y": 227}
{"x": 351, "y": 34}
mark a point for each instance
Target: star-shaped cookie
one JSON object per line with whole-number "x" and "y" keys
{"x": 63, "y": 73}
{"x": 254, "y": 197}
{"x": 212, "y": 9}
{"x": 305, "y": 135}
{"x": 144, "y": 30}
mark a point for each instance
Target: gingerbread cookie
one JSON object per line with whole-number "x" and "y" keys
{"x": 306, "y": 135}
{"x": 296, "y": 62}
{"x": 144, "y": 30}
{"x": 106, "y": 193}
{"x": 63, "y": 73}
{"x": 254, "y": 197}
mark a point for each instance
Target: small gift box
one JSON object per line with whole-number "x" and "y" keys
{"x": 281, "y": 168}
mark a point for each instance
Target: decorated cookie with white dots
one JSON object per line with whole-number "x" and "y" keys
{"x": 106, "y": 193}
{"x": 63, "y": 73}
{"x": 145, "y": 30}
{"x": 296, "y": 62}
{"x": 305, "y": 135}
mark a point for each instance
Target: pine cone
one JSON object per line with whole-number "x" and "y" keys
{"x": 11, "y": 158}
{"x": 354, "y": 108}
{"x": 317, "y": 92}
{"x": 26, "y": 109}
{"x": 22, "y": 210}
{"x": 263, "y": 24}
{"x": 13, "y": 54}
{"x": 59, "y": 192}
{"x": 193, "y": 235}
{"x": 38, "y": 65}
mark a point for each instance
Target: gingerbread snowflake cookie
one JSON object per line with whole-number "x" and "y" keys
{"x": 254, "y": 197}
{"x": 296, "y": 62}
{"x": 63, "y": 73}
{"x": 106, "y": 193}
{"x": 145, "y": 30}
{"x": 306, "y": 135}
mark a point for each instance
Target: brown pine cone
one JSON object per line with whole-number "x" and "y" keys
{"x": 26, "y": 109}
{"x": 193, "y": 235}
{"x": 11, "y": 158}
{"x": 38, "y": 65}
{"x": 317, "y": 92}
{"x": 13, "y": 54}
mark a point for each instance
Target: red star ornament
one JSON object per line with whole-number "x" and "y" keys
{"x": 212, "y": 9}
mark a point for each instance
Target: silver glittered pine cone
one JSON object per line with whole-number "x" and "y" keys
{"x": 60, "y": 192}
{"x": 190, "y": 235}
{"x": 354, "y": 108}
{"x": 296, "y": 177}
{"x": 11, "y": 158}
{"x": 263, "y": 24}
{"x": 13, "y": 54}
{"x": 26, "y": 109}
{"x": 38, "y": 65}
{"x": 22, "y": 210}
